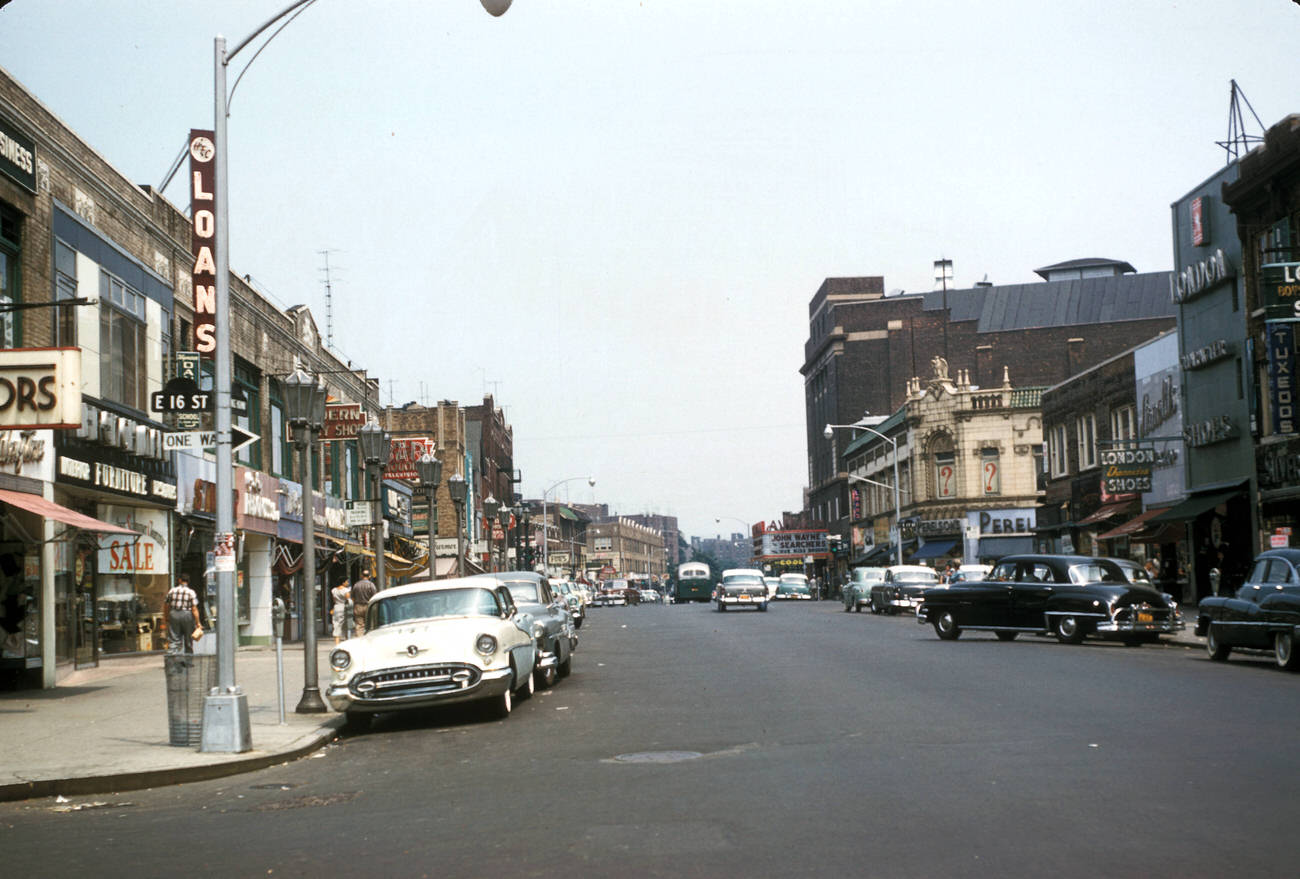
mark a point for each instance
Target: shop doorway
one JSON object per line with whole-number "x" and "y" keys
{"x": 84, "y": 624}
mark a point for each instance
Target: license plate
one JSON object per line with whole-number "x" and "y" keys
{"x": 1146, "y": 618}
{"x": 744, "y": 598}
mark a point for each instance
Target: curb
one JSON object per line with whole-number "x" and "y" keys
{"x": 103, "y": 784}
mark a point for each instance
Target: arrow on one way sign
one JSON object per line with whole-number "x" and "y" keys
{"x": 207, "y": 439}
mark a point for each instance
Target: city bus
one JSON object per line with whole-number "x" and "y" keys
{"x": 694, "y": 582}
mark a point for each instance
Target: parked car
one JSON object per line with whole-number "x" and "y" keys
{"x": 1068, "y": 596}
{"x": 1263, "y": 615}
{"x": 857, "y": 592}
{"x": 648, "y": 596}
{"x": 435, "y": 643}
{"x": 552, "y": 626}
{"x": 570, "y": 594}
{"x": 1133, "y": 572}
{"x": 741, "y": 587}
{"x": 902, "y": 588}
{"x": 969, "y": 572}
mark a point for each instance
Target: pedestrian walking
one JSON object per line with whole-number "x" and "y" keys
{"x": 362, "y": 591}
{"x": 181, "y": 616}
{"x": 339, "y": 611}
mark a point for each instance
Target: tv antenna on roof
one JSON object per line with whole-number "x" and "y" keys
{"x": 1239, "y": 140}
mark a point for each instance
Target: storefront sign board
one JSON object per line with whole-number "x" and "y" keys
{"x": 125, "y": 554}
{"x": 40, "y": 387}
{"x": 1281, "y": 375}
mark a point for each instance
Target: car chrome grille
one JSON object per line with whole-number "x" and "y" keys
{"x": 414, "y": 680}
{"x": 1141, "y": 615}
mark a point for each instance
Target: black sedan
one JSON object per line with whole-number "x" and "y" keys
{"x": 1263, "y": 615}
{"x": 1068, "y": 596}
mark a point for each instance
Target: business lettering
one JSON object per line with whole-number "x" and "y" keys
{"x": 1278, "y": 465}
{"x": 1210, "y": 431}
{"x": 20, "y": 393}
{"x": 993, "y": 523}
{"x": 74, "y": 469}
{"x": 25, "y": 450}
{"x": 1206, "y": 355}
{"x": 1156, "y": 412}
{"x": 1195, "y": 279}
{"x": 203, "y": 176}
{"x": 120, "y": 479}
{"x": 17, "y": 156}
{"x": 342, "y": 421}
{"x": 1281, "y": 376}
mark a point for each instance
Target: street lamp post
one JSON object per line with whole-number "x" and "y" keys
{"x": 429, "y": 469}
{"x": 458, "y": 488}
{"x": 591, "y": 480}
{"x": 225, "y": 710}
{"x": 897, "y": 531}
{"x": 376, "y": 447}
{"x": 503, "y": 522}
{"x": 304, "y": 403}
{"x": 490, "y": 507}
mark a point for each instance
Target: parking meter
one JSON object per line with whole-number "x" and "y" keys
{"x": 1214, "y": 581}
{"x": 278, "y": 614}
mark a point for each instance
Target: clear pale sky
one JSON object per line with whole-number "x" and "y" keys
{"x": 612, "y": 213}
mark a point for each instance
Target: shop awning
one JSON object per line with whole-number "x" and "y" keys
{"x": 1194, "y": 506}
{"x": 875, "y": 555}
{"x": 1107, "y": 511}
{"x": 1132, "y": 526}
{"x": 997, "y": 547}
{"x": 935, "y": 549}
{"x": 33, "y": 503}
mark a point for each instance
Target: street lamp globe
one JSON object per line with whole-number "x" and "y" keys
{"x": 304, "y": 399}
{"x": 828, "y": 432}
{"x": 376, "y": 444}
{"x": 457, "y": 487}
{"x": 490, "y": 507}
{"x": 429, "y": 470}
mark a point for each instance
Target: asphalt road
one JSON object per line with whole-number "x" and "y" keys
{"x": 802, "y": 741}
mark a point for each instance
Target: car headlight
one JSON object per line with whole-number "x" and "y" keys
{"x": 340, "y": 660}
{"x": 486, "y": 644}
{"x": 538, "y": 630}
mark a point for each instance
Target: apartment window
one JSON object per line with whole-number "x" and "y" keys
{"x": 353, "y": 467}
{"x": 1057, "y": 461}
{"x": 10, "y": 282}
{"x": 281, "y": 450}
{"x": 65, "y": 287}
{"x": 1085, "y": 428}
{"x": 945, "y": 474}
{"x": 603, "y": 544}
{"x": 991, "y": 471}
{"x": 1123, "y": 423}
{"x": 122, "y": 350}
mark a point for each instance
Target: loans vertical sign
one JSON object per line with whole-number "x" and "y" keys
{"x": 203, "y": 241}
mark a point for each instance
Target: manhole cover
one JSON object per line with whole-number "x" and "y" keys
{"x": 659, "y": 757}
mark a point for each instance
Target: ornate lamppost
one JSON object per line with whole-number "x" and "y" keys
{"x": 503, "y": 522}
{"x": 457, "y": 487}
{"x": 304, "y": 403}
{"x": 429, "y": 470}
{"x": 376, "y": 446}
{"x": 490, "y": 507}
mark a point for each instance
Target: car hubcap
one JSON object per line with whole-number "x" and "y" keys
{"x": 1282, "y": 649}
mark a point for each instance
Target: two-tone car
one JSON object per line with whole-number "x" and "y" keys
{"x": 550, "y": 622}
{"x": 435, "y": 643}
{"x": 902, "y": 589}
{"x": 1263, "y": 615}
{"x": 1069, "y": 596}
{"x": 741, "y": 587}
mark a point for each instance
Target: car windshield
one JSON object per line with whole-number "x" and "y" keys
{"x": 916, "y": 577}
{"x": 861, "y": 576}
{"x": 522, "y": 591}
{"x": 742, "y": 580}
{"x": 389, "y": 611}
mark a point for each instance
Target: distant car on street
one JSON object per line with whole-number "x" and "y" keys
{"x": 902, "y": 588}
{"x": 857, "y": 592}
{"x": 741, "y": 587}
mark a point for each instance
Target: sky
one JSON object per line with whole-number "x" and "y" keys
{"x": 611, "y": 214}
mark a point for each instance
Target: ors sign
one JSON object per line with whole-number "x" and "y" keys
{"x": 40, "y": 387}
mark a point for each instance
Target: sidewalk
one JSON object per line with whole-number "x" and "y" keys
{"x": 105, "y": 729}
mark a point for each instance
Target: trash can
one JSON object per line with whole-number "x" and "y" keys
{"x": 189, "y": 679}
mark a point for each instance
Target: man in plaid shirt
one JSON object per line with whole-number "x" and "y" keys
{"x": 182, "y": 616}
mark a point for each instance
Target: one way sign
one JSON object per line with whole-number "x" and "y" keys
{"x": 197, "y": 440}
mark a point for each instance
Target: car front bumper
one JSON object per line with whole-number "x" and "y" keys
{"x": 416, "y": 687}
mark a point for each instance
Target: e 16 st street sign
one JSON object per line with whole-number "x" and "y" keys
{"x": 1127, "y": 470}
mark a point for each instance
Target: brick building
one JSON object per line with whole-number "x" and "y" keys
{"x": 667, "y": 526}
{"x": 863, "y": 345}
